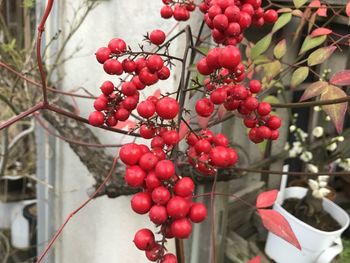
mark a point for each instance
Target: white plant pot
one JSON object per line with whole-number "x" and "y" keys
{"x": 316, "y": 246}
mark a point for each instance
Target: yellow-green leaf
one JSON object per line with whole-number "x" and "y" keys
{"x": 299, "y": 3}
{"x": 314, "y": 90}
{"x": 280, "y": 49}
{"x": 261, "y": 46}
{"x": 335, "y": 111}
{"x": 311, "y": 42}
{"x": 271, "y": 99}
{"x": 262, "y": 59}
{"x": 299, "y": 75}
{"x": 283, "y": 20}
{"x": 320, "y": 55}
{"x": 272, "y": 69}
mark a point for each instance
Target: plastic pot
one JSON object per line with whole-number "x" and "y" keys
{"x": 316, "y": 246}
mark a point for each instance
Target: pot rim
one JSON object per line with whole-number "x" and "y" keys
{"x": 341, "y": 210}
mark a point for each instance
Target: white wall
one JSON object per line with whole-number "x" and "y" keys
{"x": 103, "y": 231}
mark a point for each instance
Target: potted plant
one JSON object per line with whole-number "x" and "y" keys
{"x": 316, "y": 221}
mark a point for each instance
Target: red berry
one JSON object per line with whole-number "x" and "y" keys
{"x": 192, "y": 139}
{"x": 274, "y": 122}
{"x": 155, "y": 253}
{"x": 165, "y": 169}
{"x": 220, "y": 156}
{"x": 128, "y": 88}
{"x": 245, "y": 20}
{"x": 102, "y": 54}
{"x": 158, "y": 214}
{"x": 134, "y": 176}
{"x": 130, "y": 154}
{"x": 248, "y": 8}
{"x": 161, "y": 195}
{"x": 167, "y": 108}
{"x": 220, "y": 140}
{"x": 146, "y": 109}
{"x": 171, "y": 137}
{"x": 163, "y": 73}
{"x": 251, "y": 103}
{"x": 203, "y": 67}
{"x": 255, "y": 86}
{"x": 111, "y": 121}
{"x": 254, "y": 135}
{"x": 270, "y": 16}
{"x": 220, "y": 22}
{"x": 184, "y": 187}
{"x": 218, "y": 96}
{"x": 141, "y": 203}
{"x": 146, "y": 131}
{"x": 204, "y": 107}
{"x": 147, "y": 77}
{"x": 229, "y": 57}
{"x": 274, "y": 135}
{"x": 122, "y": 114}
{"x": 181, "y": 228}
{"x": 129, "y": 103}
{"x": 169, "y": 258}
{"x": 137, "y": 82}
{"x": 129, "y": 66}
{"x": 233, "y": 156}
{"x": 250, "y": 122}
{"x": 212, "y": 58}
{"x": 157, "y": 37}
{"x": 100, "y": 104}
{"x": 117, "y": 45}
{"x": 177, "y": 207}
{"x": 113, "y": 67}
{"x": 166, "y": 12}
{"x": 140, "y": 64}
{"x": 144, "y": 239}
{"x": 233, "y": 29}
{"x": 233, "y": 13}
{"x": 154, "y": 63}
{"x": 264, "y": 132}
{"x": 96, "y": 118}
{"x": 152, "y": 181}
{"x": 202, "y": 146}
{"x": 264, "y": 108}
{"x": 198, "y": 213}
{"x": 148, "y": 161}
{"x": 213, "y": 11}
{"x": 159, "y": 153}
{"x": 107, "y": 87}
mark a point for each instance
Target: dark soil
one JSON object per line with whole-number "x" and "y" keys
{"x": 320, "y": 220}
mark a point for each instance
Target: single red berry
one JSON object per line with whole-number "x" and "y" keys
{"x": 204, "y": 107}
{"x": 202, "y": 146}
{"x": 270, "y": 16}
{"x": 113, "y": 67}
{"x": 250, "y": 122}
{"x": 100, "y": 105}
{"x": 251, "y": 103}
{"x": 248, "y": 8}
{"x": 245, "y": 20}
{"x": 166, "y": 12}
{"x": 144, "y": 148}
{"x": 233, "y": 156}
{"x": 157, "y": 37}
{"x": 192, "y": 139}
{"x": 158, "y": 214}
{"x": 147, "y": 77}
{"x": 220, "y": 140}
{"x": 214, "y": 10}
{"x": 177, "y": 207}
{"x": 129, "y": 103}
{"x": 171, "y": 137}
{"x": 134, "y": 176}
{"x": 233, "y": 13}
{"x": 169, "y": 258}
{"x": 220, "y": 22}
{"x": 198, "y": 213}
{"x": 111, "y": 121}
{"x": 274, "y": 122}
{"x": 254, "y": 136}
{"x": 161, "y": 195}
{"x": 144, "y": 239}
{"x": 264, "y": 108}
{"x": 212, "y": 58}
{"x": 229, "y": 57}
{"x": 128, "y": 88}
{"x": 146, "y": 131}
{"x": 107, "y": 87}
{"x": 102, "y": 54}
{"x": 274, "y": 135}
{"x": 117, "y": 45}
{"x": 163, "y": 73}
{"x": 184, "y": 187}
{"x": 130, "y": 154}
{"x": 220, "y": 156}
{"x": 96, "y": 118}
{"x": 165, "y": 169}
{"x": 148, "y": 161}
{"x": 141, "y": 203}
{"x": 255, "y": 86}
{"x": 233, "y": 29}
{"x": 129, "y": 66}
{"x": 122, "y": 114}
{"x": 140, "y": 64}
{"x": 146, "y": 109}
{"x": 218, "y": 96}
{"x": 155, "y": 63}
{"x": 181, "y": 13}
{"x": 152, "y": 181}
{"x": 264, "y": 132}
{"x": 155, "y": 253}
{"x": 203, "y": 67}
{"x": 157, "y": 151}
{"x": 181, "y": 228}
{"x": 167, "y": 108}
{"x": 137, "y": 82}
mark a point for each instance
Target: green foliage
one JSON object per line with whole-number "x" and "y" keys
{"x": 299, "y": 3}
{"x": 311, "y": 42}
{"x": 320, "y": 55}
{"x": 345, "y": 255}
{"x": 283, "y": 20}
{"x": 299, "y": 75}
{"x": 280, "y": 49}
{"x": 261, "y": 46}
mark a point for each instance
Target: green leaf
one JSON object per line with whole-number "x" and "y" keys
{"x": 271, "y": 99}
{"x": 272, "y": 69}
{"x": 280, "y": 49}
{"x": 262, "y": 59}
{"x": 203, "y": 49}
{"x": 282, "y": 21}
{"x": 299, "y": 3}
{"x": 299, "y": 76}
{"x": 335, "y": 111}
{"x": 320, "y": 55}
{"x": 311, "y": 42}
{"x": 261, "y": 46}
{"x": 314, "y": 90}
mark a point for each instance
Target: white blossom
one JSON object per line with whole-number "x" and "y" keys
{"x": 332, "y": 147}
{"x": 292, "y": 128}
{"x": 345, "y": 164}
{"x": 328, "y": 118}
{"x": 323, "y": 178}
{"x": 286, "y": 146}
{"x": 318, "y": 131}
{"x": 313, "y": 184}
{"x": 302, "y": 134}
{"x": 306, "y": 156}
{"x": 296, "y": 149}
{"x": 317, "y": 108}
{"x": 312, "y": 168}
{"x": 340, "y": 138}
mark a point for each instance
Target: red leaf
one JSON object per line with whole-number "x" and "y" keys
{"x": 266, "y": 199}
{"x": 277, "y": 224}
{"x": 203, "y": 122}
{"x": 221, "y": 112}
{"x": 321, "y": 32}
{"x": 156, "y": 93}
{"x": 183, "y": 130}
{"x": 341, "y": 78}
{"x": 314, "y": 90}
{"x": 257, "y": 259}
{"x": 315, "y": 3}
{"x": 322, "y": 11}
{"x": 348, "y": 9}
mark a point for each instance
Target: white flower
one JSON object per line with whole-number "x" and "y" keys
{"x": 332, "y": 147}
{"x": 306, "y": 156}
{"x": 296, "y": 149}
{"x": 286, "y": 146}
{"x": 302, "y": 134}
{"x": 345, "y": 164}
{"x": 322, "y": 184}
{"x": 312, "y": 168}
{"x": 292, "y": 128}
{"x": 324, "y": 191}
{"x": 317, "y": 108}
{"x": 317, "y": 131}
{"x": 340, "y": 138}
{"x": 328, "y": 118}
{"x": 313, "y": 184}
{"x": 323, "y": 178}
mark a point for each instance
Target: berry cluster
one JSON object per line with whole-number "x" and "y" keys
{"x": 116, "y": 103}
{"x": 207, "y": 152}
{"x": 166, "y": 198}
{"x": 229, "y": 18}
{"x": 180, "y": 10}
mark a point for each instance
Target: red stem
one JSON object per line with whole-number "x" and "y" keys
{"x": 22, "y": 115}
{"x": 41, "y": 29}
{"x": 59, "y": 231}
